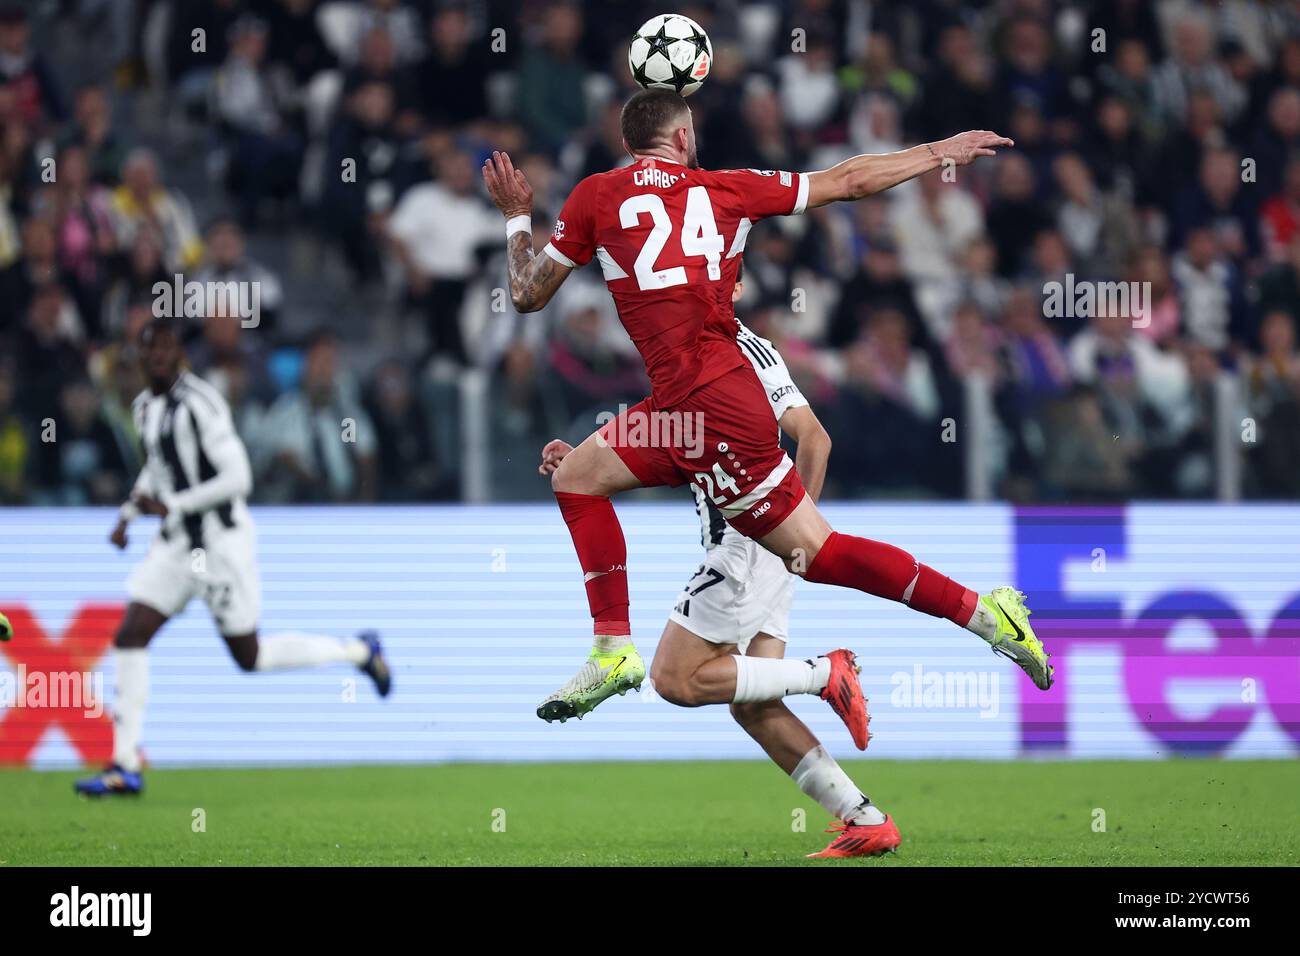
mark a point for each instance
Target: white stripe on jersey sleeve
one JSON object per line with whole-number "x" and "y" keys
{"x": 559, "y": 256}
{"x": 801, "y": 201}
{"x": 782, "y": 393}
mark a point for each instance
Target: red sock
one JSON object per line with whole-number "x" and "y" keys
{"x": 889, "y": 572}
{"x": 602, "y": 552}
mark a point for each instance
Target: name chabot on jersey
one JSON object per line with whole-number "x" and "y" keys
{"x": 653, "y": 176}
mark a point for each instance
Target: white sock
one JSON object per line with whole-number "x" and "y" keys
{"x": 292, "y": 649}
{"x": 771, "y": 678}
{"x": 128, "y": 705}
{"x": 982, "y": 622}
{"x": 819, "y": 776}
{"x": 609, "y": 643}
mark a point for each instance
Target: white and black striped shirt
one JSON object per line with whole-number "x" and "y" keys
{"x": 782, "y": 394}
{"x": 195, "y": 463}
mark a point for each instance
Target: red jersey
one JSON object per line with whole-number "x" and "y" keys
{"x": 669, "y": 241}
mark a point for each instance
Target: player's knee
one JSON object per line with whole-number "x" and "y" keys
{"x": 669, "y": 684}
{"x": 750, "y": 716}
{"x": 576, "y": 477}
{"x": 678, "y": 689}
{"x": 565, "y": 478}
{"x": 677, "y": 693}
{"x": 746, "y": 714}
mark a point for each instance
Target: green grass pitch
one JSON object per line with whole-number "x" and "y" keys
{"x": 1179, "y": 812}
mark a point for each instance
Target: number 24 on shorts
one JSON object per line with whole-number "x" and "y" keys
{"x": 725, "y": 483}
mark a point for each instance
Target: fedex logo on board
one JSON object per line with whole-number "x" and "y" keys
{"x": 1267, "y": 659}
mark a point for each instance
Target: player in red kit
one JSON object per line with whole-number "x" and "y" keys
{"x": 669, "y": 237}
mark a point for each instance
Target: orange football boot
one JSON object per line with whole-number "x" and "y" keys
{"x": 844, "y": 693}
{"x": 858, "y": 840}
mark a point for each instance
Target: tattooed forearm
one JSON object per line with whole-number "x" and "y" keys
{"x": 533, "y": 278}
{"x": 519, "y": 253}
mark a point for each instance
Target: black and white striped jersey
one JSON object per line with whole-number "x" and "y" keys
{"x": 195, "y": 462}
{"x": 782, "y": 394}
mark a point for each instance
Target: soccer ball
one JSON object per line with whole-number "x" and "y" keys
{"x": 670, "y": 52}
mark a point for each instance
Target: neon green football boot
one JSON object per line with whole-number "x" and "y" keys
{"x": 604, "y": 674}
{"x": 1015, "y": 639}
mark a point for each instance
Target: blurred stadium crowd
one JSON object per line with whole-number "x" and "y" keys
{"x": 328, "y": 151}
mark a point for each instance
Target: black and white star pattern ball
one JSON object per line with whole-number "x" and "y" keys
{"x": 670, "y": 52}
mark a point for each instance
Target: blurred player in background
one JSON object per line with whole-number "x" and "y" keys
{"x": 669, "y": 236}
{"x": 738, "y": 602}
{"x": 195, "y": 478}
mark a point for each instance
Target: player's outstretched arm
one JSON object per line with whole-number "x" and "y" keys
{"x": 813, "y": 449}
{"x": 533, "y": 278}
{"x": 861, "y": 176}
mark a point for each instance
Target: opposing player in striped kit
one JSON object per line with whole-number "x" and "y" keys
{"x": 738, "y": 602}
{"x": 195, "y": 478}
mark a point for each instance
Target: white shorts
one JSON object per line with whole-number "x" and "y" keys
{"x": 741, "y": 589}
{"x": 223, "y": 574}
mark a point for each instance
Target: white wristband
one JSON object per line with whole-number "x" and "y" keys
{"x": 128, "y": 512}
{"x": 518, "y": 224}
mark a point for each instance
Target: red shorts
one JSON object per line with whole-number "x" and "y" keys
{"x": 723, "y": 438}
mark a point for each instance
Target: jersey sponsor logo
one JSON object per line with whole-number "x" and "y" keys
{"x": 763, "y": 509}
{"x": 558, "y": 231}
{"x": 783, "y": 391}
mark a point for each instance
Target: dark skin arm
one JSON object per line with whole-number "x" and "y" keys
{"x": 533, "y": 278}
{"x": 148, "y": 505}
